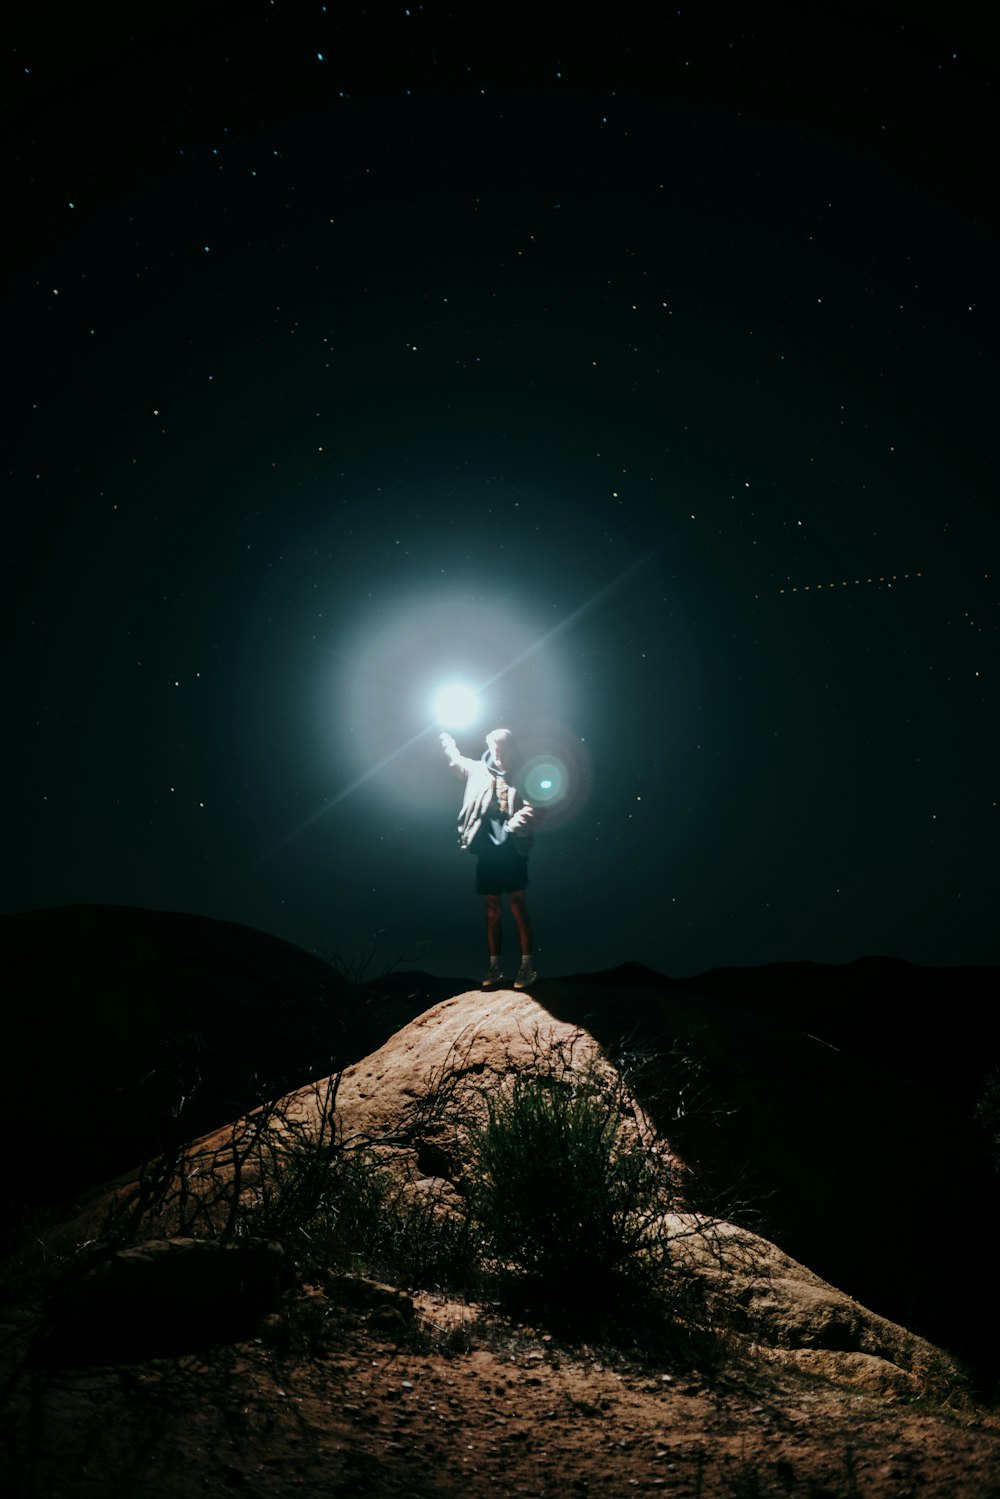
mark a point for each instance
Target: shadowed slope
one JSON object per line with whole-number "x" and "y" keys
{"x": 128, "y": 1028}
{"x": 857, "y": 1168}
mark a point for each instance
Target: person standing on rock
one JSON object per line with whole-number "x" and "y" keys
{"x": 495, "y": 825}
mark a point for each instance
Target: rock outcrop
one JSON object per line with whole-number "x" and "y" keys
{"x": 411, "y": 1100}
{"x": 166, "y": 1296}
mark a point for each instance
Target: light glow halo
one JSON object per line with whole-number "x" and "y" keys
{"x": 391, "y": 676}
{"x": 456, "y": 705}
{"x": 373, "y": 706}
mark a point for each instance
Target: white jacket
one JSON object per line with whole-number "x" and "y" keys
{"x": 480, "y": 782}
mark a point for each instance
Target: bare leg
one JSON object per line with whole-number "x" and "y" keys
{"x": 522, "y": 920}
{"x": 494, "y": 930}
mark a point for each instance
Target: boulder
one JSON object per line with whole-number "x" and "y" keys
{"x": 166, "y": 1296}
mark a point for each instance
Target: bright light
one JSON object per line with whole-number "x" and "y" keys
{"x": 455, "y": 706}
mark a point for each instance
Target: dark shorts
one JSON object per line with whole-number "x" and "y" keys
{"x": 501, "y": 868}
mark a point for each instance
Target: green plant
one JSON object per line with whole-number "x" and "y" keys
{"x": 287, "y": 1172}
{"x": 568, "y": 1187}
{"x": 328, "y": 1209}
{"x": 423, "y": 1240}
{"x": 277, "y": 1169}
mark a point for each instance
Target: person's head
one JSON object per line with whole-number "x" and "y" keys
{"x": 500, "y": 743}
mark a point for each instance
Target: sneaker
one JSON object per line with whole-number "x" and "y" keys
{"x": 493, "y": 978}
{"x": 525, "y": 975}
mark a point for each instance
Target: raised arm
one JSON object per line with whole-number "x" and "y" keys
{"x": 450, "y": 748}
{"x": 454, "y": 756}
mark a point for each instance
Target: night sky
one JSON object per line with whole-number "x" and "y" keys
{"x": 649, "y": 382}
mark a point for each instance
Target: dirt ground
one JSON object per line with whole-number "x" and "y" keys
{"x": 455, "y": 1402}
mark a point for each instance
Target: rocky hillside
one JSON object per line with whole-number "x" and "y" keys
{"x": 185, "y": 1366}
{"x": 838, "y": 1099}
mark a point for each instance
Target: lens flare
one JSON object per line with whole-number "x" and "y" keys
{"x": 555, "y": 772}
{"x": 544, "y": 781}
